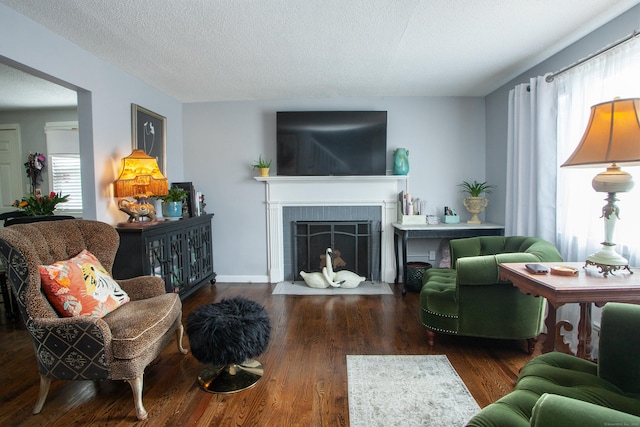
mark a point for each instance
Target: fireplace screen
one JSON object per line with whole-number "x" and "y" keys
{"x": 349, "y": 240}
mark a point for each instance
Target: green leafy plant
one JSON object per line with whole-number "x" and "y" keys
{"x": 39, "y": 204}
{"x": 476, "y": 188}
{"x": 261, "y": 163}
{"x": 175, "y": 194}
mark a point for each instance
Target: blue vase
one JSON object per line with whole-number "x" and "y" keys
{"x": 172, "y": 210}
{"x": 400, "y": 161}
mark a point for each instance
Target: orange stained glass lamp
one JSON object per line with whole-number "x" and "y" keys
{"x": 612, "y": 137}
{"x": 140, "y": 178}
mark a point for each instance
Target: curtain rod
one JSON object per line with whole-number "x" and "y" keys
{"x": 552, "y": 76}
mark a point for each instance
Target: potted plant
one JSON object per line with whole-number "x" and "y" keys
{"x": 172, "y": 203}
{"x": 475, "y": 203}
{"x": 263, "y": 165}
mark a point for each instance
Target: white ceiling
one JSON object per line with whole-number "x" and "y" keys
{"x": 210, "y": 50}
{"x": 19, "y": 90}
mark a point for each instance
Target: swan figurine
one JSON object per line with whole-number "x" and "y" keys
{"x": 328, "y": 272}
{"x": 340, "y": 279}
{"x": 315, "y": 280}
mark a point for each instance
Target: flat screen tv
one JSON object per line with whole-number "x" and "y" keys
{"x": 320, "y": 143}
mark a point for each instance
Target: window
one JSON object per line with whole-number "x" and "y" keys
{"x": 580, "y": 227}
{"x": 65, "y": 179}
{"x": 63, "y": 156}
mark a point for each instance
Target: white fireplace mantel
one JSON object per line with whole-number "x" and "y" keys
{"x": 281, "y": 191}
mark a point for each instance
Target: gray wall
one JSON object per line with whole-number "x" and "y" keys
{"x": 497, "y": 101}
{"x": 445, "y": 138}
{"x": 32, "y": 134}
{"x": 104, "y": 105}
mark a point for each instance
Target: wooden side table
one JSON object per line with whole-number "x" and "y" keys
{"x": 586, "y": 288}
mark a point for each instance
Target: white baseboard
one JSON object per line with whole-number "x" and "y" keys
{"x": 242, "y": 279}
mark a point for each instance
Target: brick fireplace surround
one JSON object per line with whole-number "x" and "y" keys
{"x": 283, "y": 191}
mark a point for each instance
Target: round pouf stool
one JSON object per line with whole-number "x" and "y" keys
{"x": 228, "y": 335}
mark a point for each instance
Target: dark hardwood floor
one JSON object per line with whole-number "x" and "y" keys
{"x": 305, "y": 381}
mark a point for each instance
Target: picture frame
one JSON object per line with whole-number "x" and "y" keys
{"x": 191, "y": 197}
{"x": 149, "y": 133}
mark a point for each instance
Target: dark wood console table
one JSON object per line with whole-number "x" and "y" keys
{"x": 436, "y": 231}
{"x": 180, "y": 252}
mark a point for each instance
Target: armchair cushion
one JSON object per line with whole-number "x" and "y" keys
{"x": 558, "y": 411}
{"x": 620, "y": 347}
{"x": 138, "y": 324}
{"x": 81, "y": 286}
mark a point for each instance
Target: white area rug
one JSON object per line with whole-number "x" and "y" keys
{"x": 407, "y": 391}
{"x": 301, "y": 288}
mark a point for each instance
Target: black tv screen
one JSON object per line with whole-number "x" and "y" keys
{"x": 319, "y": 143}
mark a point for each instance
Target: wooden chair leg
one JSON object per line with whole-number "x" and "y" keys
{"x": 179, "y": 334}
{"x": 136, "y": 387}
{"x": 431, "y": 336}
{"x": 531, "y": 345}
{"x": 42, "y": 394}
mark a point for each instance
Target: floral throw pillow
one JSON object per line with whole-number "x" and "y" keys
{"x": 81, "y": 286}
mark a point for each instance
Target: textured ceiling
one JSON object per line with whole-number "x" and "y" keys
{"x": 208, "y": 50}
{"x": 19, "y": 90}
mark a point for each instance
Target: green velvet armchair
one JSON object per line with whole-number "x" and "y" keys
{"x": 558, "y": 389}
{"x": 471, "y": 300}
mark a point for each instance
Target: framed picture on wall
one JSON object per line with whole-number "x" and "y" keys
{"x": 191, "y": 196}
{"x": 148, "y": 133}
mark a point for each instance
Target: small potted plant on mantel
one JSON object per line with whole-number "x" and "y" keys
{"x": 172, "y": 203}
{"x": 475, "y": 203}
{"x": 263, "y": 165}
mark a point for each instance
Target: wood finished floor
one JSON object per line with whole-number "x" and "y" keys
{"x": 305, "y": 381}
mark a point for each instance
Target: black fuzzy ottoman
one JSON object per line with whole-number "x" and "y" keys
{"x": 228, "y": 335}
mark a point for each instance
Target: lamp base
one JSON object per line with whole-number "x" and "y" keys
{"x": 607, "y": 260}
{"x": 138, "y": 210}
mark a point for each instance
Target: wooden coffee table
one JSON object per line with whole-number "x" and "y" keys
{"x": 586, "y": 288}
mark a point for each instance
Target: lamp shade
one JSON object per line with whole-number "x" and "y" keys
{"x": 140, "y": 176}
{"x": 612, "y": 135}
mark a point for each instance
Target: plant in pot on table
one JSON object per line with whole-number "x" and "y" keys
{"x": 475, "y": 203}
{"x": 172, "y": 203}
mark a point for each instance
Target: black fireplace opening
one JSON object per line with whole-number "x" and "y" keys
{"x": 350, "y": 242}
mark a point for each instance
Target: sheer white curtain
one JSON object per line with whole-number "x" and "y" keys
{"x": 531, "y": 160}
{"x": 580, "y": 228}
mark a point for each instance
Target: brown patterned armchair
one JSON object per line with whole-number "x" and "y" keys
{"x": 118, "y": 346}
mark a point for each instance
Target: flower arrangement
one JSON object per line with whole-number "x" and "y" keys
{"x": 38, "y": 204}
{"x": 34, "y": 165}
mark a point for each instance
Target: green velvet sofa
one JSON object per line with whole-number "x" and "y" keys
{"x": 470, "y": 299}
{"x": 592, "y": 394}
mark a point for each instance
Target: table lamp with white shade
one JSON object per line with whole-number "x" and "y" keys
{"x": 612, "y": 137}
